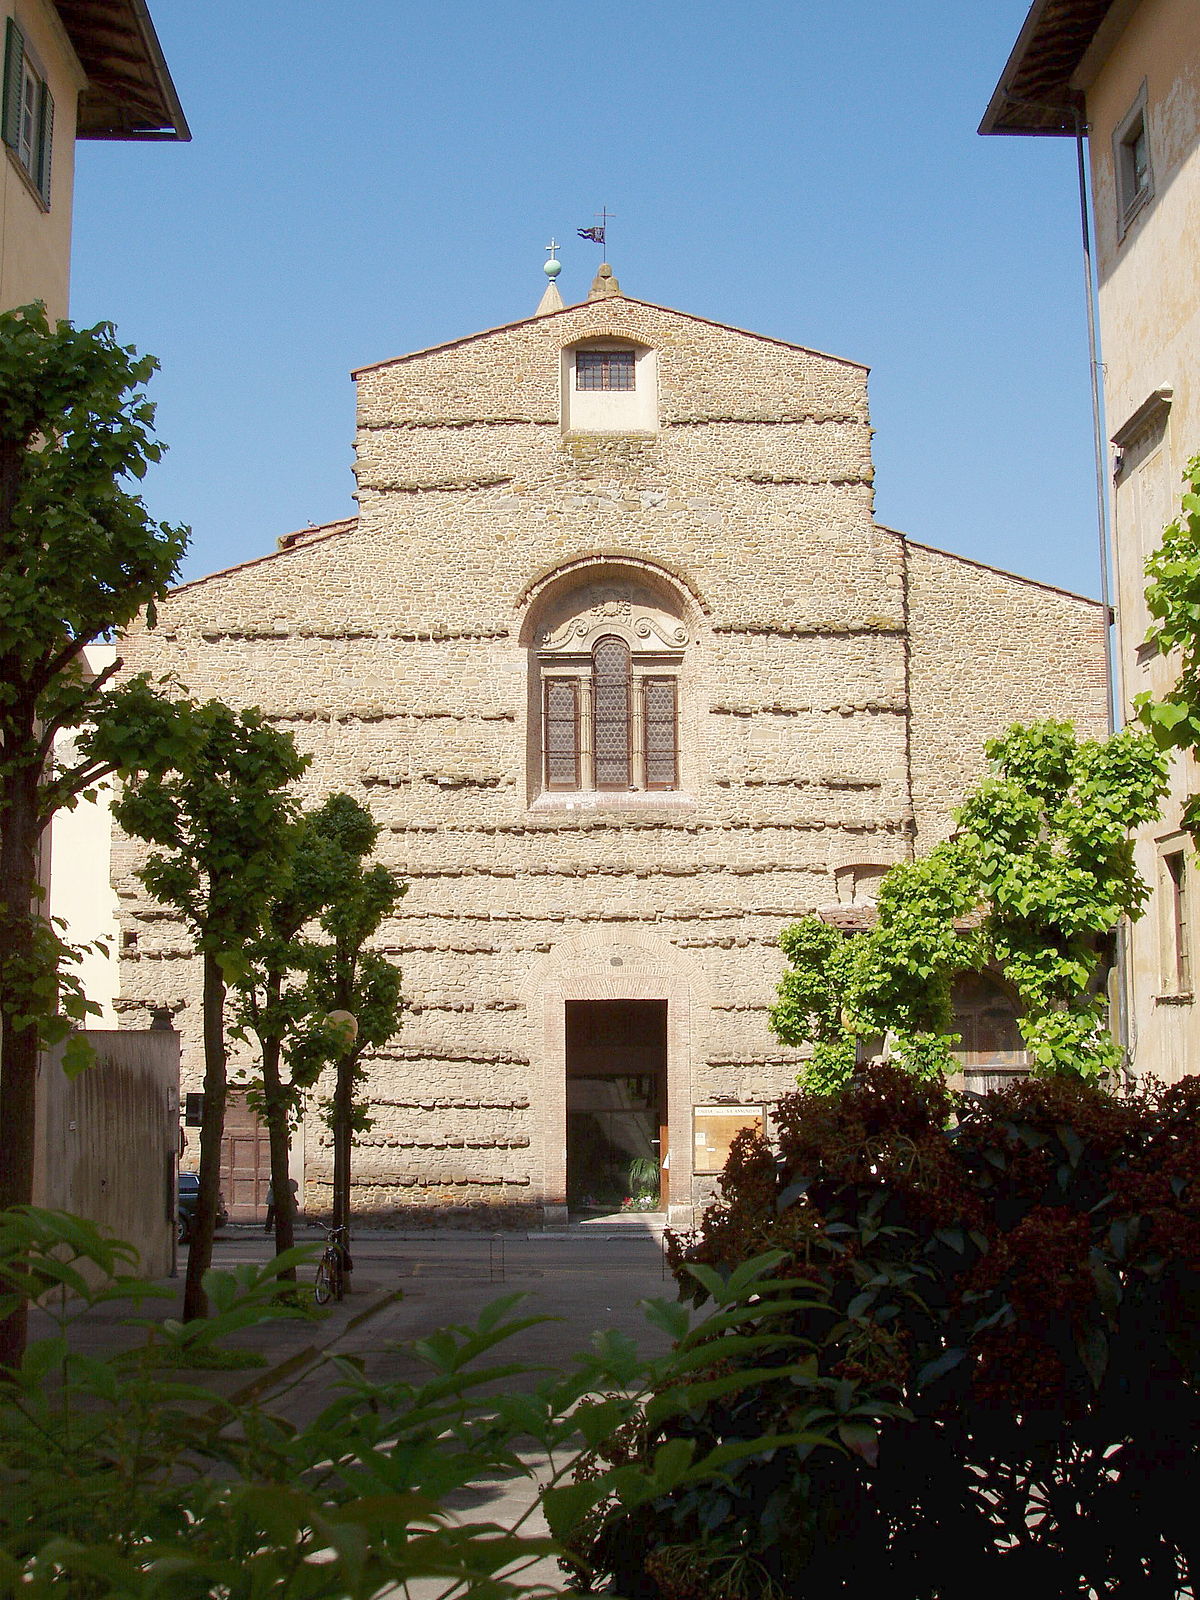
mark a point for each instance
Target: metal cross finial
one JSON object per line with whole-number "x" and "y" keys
{"x": 552, "y": 247}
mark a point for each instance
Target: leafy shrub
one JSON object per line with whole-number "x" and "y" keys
{"x": 122, "y": 1479}
{"x": 999, "y": 1300}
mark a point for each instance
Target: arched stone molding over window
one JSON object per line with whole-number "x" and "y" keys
{"x": 609, "y": 385}
{"x": 596, "y": 967}
{"x": 613, "y": 653}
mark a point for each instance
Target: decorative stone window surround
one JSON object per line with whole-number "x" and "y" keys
{"x": 1133, "y": 165}
{"x": 645, "y": 610}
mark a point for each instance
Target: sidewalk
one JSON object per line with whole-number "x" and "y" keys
{"x": 586, "y": 1278}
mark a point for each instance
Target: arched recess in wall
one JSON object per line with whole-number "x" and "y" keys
{"x": 612, "y": 647}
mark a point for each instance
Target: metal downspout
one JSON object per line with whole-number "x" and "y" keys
{"x": 1114, "y": 701}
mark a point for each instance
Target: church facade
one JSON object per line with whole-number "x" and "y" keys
{"x": 620, "y": 660}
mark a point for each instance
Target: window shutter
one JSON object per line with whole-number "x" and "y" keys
{"x": 45, "y": 142}
{"x": 14, "y": 63}
{"x": 560, "y": 719}
{"x": 611, "y": 720}
{"x": 662, "y": 738}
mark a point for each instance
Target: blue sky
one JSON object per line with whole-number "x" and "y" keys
{"x": 370, "y": 178}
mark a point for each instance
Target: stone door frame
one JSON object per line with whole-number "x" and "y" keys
{"x": 613, "y": 970}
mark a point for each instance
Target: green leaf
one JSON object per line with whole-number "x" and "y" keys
{"x": 566, "y": 1504}
{"x": 1092, "y": 1345}
{"x": 938, "y": 1367}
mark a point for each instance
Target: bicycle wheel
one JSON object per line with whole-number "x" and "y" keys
{"x": 323, "y": 1289}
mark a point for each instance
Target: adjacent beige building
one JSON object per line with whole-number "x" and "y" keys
{"x": 73, "y": 69}
{"x": 87, "y": 69}
{"x": 623, "y": 664}
{"x": 1128, "y": 73}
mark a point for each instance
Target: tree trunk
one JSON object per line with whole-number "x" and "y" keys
{"x": 19, "y": 981}
{"x": 275, "y": 1101}
{"x": 195, "y": 1301}
{"x": 343, "y": 1105}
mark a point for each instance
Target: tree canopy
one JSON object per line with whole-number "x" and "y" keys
{"x": 1032, "y": 885}
{"x": 1173, "y": 600}
{"x": 80, "y": 557}
{"x": 221, "y": 822}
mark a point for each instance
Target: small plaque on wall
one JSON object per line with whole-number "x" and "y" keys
{"x": 716, "y": 1127}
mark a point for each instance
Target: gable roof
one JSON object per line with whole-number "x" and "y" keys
{"x": 286, "y": 544}
{"x": 1037, "y": 93}
{"x": 581, "y": 305}
{"x": 129, "y": 92}
{"x": 305, "y": 538}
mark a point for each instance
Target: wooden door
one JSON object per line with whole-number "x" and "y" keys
{"x": 245, "y": 1161}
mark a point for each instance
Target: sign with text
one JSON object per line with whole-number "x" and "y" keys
{"x": 716, "y": 1127}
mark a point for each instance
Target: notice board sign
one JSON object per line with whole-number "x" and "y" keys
{"x": 716, "y": 1127}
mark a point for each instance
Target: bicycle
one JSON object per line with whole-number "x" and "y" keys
{"x": 334, "y": 1266}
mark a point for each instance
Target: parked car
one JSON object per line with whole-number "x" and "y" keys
{"x": 189, "y": 1193}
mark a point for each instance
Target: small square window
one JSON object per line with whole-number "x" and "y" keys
{"x": 604, "y": 369}
{"x": 1131, "y": 157}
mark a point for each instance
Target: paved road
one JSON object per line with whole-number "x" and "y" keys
{"x": 585, "y": 1282}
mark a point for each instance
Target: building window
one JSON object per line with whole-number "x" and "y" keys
{"x": 857, "y": 883}
{"x": 27, "y": 118}
{"x": 1177, "y": 955}
{"x": 608, "y": 726}
{"x": 604, "y": 369}
{"x": 608, "y": 716}
{"x": 661, "y": 723}
{"x": 611, "y": 720}
{"x": 560, "y": 720}
{"x": 1131, "y": 159}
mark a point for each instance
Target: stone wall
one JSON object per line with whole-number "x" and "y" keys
{"x": 401, "y": 652}
{"x": 990, "y": 649}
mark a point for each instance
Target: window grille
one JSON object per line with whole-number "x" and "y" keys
{"x": 561, "y": 717}
{"x": 610, "y": 664}
{"x": 604, "y": 369}
{"x": 661, "y": 722}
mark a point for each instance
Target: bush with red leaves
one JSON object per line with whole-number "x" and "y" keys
{"x": 1015, "y": 1280}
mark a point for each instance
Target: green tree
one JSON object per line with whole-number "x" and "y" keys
{"x": 1034, "y": 884}
{"x": 284, "y": 994}
{"x": 79, "y": 557}
{"x": 343, "y": 975}
{"x": 1051, "y": 833}
{"x": 1173, "y": 600}
{"x": 222, "y": 821}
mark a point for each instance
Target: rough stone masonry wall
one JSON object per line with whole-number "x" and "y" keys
{"x": 396, "y": 654}
{"x": 990, "y": 649}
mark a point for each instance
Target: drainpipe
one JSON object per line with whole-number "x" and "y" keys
{"x": 1111, "y": 676}
{"x": 1115, "y": 705}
